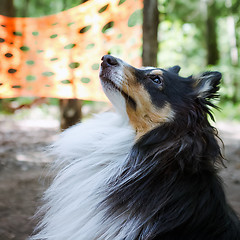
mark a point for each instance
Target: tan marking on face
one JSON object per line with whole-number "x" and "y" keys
{"x": 146, "y": 116}
{"x": 156, "y": 72}
{"x": 129, "y": 77}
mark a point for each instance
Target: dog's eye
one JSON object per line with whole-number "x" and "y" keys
{"x": 156, "y": 79}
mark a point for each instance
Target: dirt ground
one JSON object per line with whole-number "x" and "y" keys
{"x": 23, "y": 170}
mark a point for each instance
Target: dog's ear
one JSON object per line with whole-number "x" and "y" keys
{"x": 174, "y": 69}
{"x": 207, "y": 84}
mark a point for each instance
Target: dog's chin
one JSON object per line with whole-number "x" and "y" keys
{"x": 117, "y": 100}
{"x": 114, "y": 94}
{"x": 106, "y": 79}
{"x": 109, "y": 84}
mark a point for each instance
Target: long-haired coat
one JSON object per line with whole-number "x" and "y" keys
{"x": 147, "y": 171}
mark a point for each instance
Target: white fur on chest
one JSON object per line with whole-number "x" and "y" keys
{"x": 88, "y": 154}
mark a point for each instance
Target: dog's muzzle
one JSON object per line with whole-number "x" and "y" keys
{"x": 110, "y": 71}
{"x": 109, "y": 61}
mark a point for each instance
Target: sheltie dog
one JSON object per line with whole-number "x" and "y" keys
{"x": 147, "y": 171}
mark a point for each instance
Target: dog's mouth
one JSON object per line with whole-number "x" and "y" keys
{"x": 128, "y": 98}
{"x": 109, "y": 69}
{"x": 108, "y": 81}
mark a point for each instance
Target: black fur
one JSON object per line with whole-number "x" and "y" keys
{"x": 169, "y": 183}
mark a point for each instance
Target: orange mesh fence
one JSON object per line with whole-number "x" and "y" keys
{"x": 59, "y": 55}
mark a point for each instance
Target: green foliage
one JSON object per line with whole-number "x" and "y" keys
{"x": 135, "y": 18}
{"x": 38, "y": 8}
{"x": 8, "y": 105}
{"x": 183, "y": 41}
{"x": 179, "y": 45}
{"x": 228, "y": 111}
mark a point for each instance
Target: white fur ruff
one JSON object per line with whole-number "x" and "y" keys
{"x": 88, "y": 154}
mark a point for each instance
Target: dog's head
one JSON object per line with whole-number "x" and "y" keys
{"x": 153, "y": 96}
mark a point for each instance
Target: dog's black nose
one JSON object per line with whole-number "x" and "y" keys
{"x": 109, "y": 60}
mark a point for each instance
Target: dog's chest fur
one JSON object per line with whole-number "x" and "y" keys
{"x": 88, "y": 155}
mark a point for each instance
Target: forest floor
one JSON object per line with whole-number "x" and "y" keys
{"x": 23, "y": 170}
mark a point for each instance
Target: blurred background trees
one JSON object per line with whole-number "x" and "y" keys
{"x": 204, "y": 34}
{"x": 195, "y": 34}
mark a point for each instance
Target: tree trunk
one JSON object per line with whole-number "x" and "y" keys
{"x": 211, "y": 35}
{"x": 25, "y": 9}
{"x": 234, "y": 56}
{"x": 232, "y": 40}
{"x": 233, "y": 49}
{"x": 70, "y": 111}
{"x": 150, "y": 32}
{"x": 7, "y": 8}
